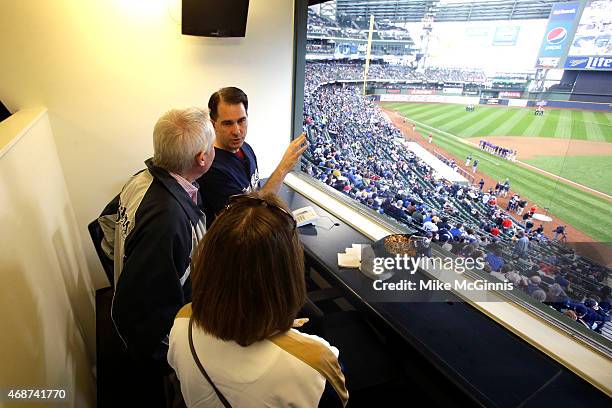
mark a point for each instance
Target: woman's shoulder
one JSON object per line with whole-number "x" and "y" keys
{"x": 312, "y": 350}
{"x": 315, "y": 352}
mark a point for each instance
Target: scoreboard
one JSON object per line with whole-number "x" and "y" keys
{"x": 591, "y": 47}
{"x": 578, "y": 36}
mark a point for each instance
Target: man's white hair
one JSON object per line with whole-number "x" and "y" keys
{"x": 179, "y": 135}
{"x": 539, "y": 295}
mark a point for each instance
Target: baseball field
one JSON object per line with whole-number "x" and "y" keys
{"x": 575, "y": 145}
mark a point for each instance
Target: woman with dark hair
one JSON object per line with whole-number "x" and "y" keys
{"x": 234, "y": 345}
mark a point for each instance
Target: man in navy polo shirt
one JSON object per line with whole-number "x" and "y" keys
{"x": 234, "y": 170}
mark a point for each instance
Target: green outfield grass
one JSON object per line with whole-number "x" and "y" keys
{"x": 585, "y": 211}
{"x": 592, "y": 171}
{"x": 506, "y": 121}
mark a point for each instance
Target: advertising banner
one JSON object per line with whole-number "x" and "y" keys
{"x": 493, "y": 101}
{"x": 517, "y": 102}
{"x": 463, "y": 100}
{"x": 509, "y": 94}
{"x": 422, "y": 91}
{"x": 557, "y": 36}
{"x": 548, "y": 62}
{"x": 599, "y": 63}
{"x": 489, "y": 101}
{"x": 455, "y": 91}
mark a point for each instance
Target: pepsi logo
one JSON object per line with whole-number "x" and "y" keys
{"x": 556, "y": 36}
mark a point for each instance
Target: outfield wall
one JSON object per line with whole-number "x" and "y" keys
{"x": 519, "y": 103}
{"x": 475, "y": 100}
{"x": 429, "y": 98}
{"x": 607, "y": 107}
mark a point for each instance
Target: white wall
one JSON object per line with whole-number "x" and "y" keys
{"x": 46, "y": 294}
{"x": 107, "y": 70}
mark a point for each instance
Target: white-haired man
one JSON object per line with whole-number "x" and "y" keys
{"x": 151, "y": 229}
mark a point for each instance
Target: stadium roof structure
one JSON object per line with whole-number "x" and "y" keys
{"x": 446, "y": 10}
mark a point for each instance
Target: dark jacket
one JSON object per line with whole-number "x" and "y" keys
{"x": 151, "y": 236}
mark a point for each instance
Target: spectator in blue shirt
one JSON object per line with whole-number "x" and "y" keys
{"x": 494, "y": 260}
{"x": 522, "y": 245}
{"x": 456, "y": 231}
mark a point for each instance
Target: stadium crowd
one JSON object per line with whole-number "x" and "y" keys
{"x": 355, "y": 149}
{"x": 354, "y": 71}
{"x": 353, "y": 28}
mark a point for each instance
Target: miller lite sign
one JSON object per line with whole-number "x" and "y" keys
{"x": 603, "y": 63}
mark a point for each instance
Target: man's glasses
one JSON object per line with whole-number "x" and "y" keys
{"x": 254, "y": 201}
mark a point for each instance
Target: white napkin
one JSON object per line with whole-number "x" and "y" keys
{"x": 347, "y": 261}
{"x": 355, "y": 252}
{"x": 351, "y": 258}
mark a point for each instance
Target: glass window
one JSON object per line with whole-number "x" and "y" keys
{"x": 451, "y": 125}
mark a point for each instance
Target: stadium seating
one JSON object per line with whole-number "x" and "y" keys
{"x": 353, "y": 149}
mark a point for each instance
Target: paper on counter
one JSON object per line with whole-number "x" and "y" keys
{"x": 347, "y": 261}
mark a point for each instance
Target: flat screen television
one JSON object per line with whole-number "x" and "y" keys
{"x": 215, "y": 18}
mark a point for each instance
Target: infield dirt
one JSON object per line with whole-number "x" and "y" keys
{"x": 573, "y": 235}
{"x": 530, "y": 147}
